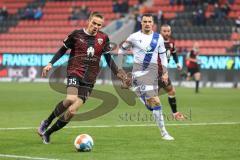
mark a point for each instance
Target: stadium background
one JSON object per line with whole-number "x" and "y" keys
{"x": 29, "y": 39}
{"x": 32, "y": 31}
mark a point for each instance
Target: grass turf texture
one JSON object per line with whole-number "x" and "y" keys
{"x": 25, "y": 105}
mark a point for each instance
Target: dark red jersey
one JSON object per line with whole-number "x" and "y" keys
{"x": 85, "y": 55}
{"x": 170, "y": 51}
{"x": 193, "y": 55}
{"x": 170, "y": 48}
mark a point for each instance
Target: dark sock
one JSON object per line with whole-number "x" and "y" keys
{"x": 59, "y": 109}
{"x": 173, "y": 104}
{"x": 59, "y": 124}
{"x": 197, "y": 86}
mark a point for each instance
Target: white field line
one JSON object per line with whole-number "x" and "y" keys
{"x": 24, "y": 157}
{"x": 133, "y": 125}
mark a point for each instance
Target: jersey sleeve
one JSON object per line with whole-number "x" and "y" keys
{"x": 191, "y": 54}
{"x": 188, "y": 55}
{"x": 111, "y": 64}
{"x": 107, "y": 48}
{"x": 174, "y": 54}
{"x": 126, "y": 45}
{"x": 175, "y": 57}
{"x": 58, "y": 55}
{"x": 174, "y": 49}
{"x": 69, "y": 41}
{"x": 161, "y": 47}
{"x": 162, "y": 52}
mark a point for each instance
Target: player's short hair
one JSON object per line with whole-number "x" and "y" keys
{"x": 96, "y": 14}
{"x": 165, "y": 25}
{"x": 147, "y": 15}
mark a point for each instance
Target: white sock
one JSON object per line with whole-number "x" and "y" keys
{"x": 158, "y": 116}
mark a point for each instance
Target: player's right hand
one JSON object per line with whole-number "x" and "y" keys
{"x": 127, "y": 83}
{"x": 46, "y": 69}
{"x": 121, "y": 74}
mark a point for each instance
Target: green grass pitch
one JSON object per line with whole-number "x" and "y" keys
{"x": 211, "y": 136}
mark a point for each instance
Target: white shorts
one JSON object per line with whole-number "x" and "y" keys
{"x": 145, "y": 83}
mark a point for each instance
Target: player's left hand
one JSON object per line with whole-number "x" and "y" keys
{"x": 46, "y": 69}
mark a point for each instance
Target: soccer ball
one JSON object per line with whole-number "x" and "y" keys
{"x": 83, "y": 143}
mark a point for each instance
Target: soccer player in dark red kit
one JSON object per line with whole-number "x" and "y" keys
{"x": 87, "y": 45}
{"x": 193, "y": 68}
{"x": 165, "y": 31}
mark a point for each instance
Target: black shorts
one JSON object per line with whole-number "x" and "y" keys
{"x": 84, "y": 89}
{"x": 163, "y": 85}
{"x": 192, "y": 71}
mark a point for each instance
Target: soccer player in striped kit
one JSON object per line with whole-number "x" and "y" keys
{"x": 148, "y": 51}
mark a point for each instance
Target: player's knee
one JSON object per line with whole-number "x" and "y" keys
{"x": 67, "y": 102}
{"x": 72, "y": 111}
{"x": 198, "y": 76}
{"x": 78, "y": 102}
{"x": 172, "y": 92}
{"x": 169, "y": 88}
{"x": 153, "y": 101}
{"x": 70, "y": 100}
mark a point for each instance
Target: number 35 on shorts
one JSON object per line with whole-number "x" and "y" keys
{"x": 72, "y": 81}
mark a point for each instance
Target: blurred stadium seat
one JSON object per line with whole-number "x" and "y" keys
{"x": 51, "y": 29}
{"x": 215, "y": 37}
